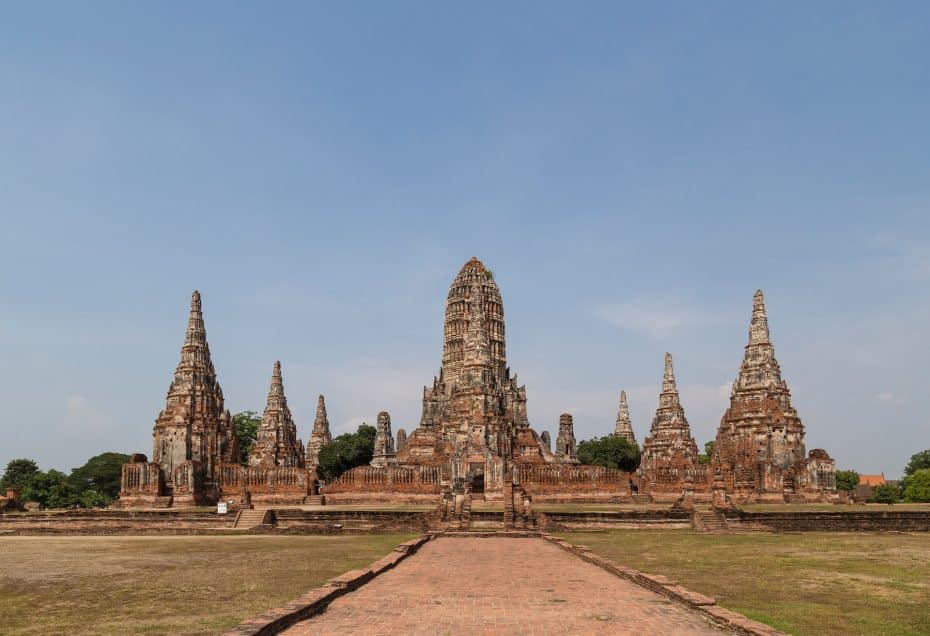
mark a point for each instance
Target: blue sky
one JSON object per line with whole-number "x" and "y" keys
{"x": 631, "y": 175}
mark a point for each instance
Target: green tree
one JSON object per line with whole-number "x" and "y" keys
{"x": 886, "y": 493}
{"x": 704, "y": 458}
{"x": 100, "y": 474}
{"x": 18, "y": 473}
{"x": 346, "y": 452}
{"x": 917, "y": 486}
{"x": 246, "y": 426}
{"x": 611, "y": 451}
{"x": 919, "y": 461}
{"x": 50, "y": 490}
{"x": 847, "y": 480}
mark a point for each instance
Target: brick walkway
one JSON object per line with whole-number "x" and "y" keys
{"x": 501, "y": 586}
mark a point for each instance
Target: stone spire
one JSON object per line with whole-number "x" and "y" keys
{"x": 565, "y": 450}
{"x": 760, "y": 427}
{"x": 320, "y": 436}
{"x": 624, "y": 427}
{"x": 668, "y": 379}
{"x": 384, "y": 442}
{"x": 472, "y": 292}
{"x": 276, "y": 442}
{"x": 547, "y": 442}
{"x": 759, "y": 326}
{"x": 401, "y": 439}
{"x": 669, "y": 450}
{"x": 194, "y": 426}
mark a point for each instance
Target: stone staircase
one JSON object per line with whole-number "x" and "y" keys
{"x": 314, "y": 500}
{"x": 250, "y": 518}
{"x": 641, "y": 498}
{"x": 711, "y": 521}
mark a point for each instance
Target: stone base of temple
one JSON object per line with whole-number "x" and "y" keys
{"x": 142, "y": 501}
{"x": 379, "y": 498}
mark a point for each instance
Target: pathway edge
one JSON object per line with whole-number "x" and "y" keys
{"x": 278, "y": 619}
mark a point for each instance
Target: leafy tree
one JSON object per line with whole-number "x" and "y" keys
{"x": 18, "y": 473}
{"x": 246, "y": 426}
{"x": 95, "y": 499}
{"x": 704, "y": 458}
{"x": 918, "y": 461}
{"x": 610, "y": 451}
{"x": 886, "y": 493}
{"x": 917, "y": 486}
{"x": 346, "y": 452}
{"x": 101, "y": 475}
{"x": 847, "y": 480}
{"x": 50, "y": 489}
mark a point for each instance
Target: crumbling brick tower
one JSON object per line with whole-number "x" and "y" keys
{"x": 670, "y": 455}
{"x": 474, "y": 415}
{"x": 624, "y": 426}
{"x": 760, "y": 446}
{"x": 276, "y": 442}
{"x": 320, "y": 436}
{"x": 194, "y": 433}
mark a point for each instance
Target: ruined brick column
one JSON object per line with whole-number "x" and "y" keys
{"x": 320, "y": 436}
{"x": 384, "y": 454}
{"x": 565, "y": 450}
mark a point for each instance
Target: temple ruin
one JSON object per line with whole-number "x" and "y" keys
{"x": 474, "y": 435}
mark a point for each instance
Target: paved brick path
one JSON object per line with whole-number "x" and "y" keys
{"x": 501, "y": 586}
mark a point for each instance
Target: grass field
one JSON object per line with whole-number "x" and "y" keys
{"x": 810, "y": 583}
{"x": 165, "y": 585}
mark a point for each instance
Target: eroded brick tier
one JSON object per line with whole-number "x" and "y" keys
{"x": 759, "y": 452}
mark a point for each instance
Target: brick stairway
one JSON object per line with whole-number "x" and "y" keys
{"x": 711, "y": 521}
{"x": 315, "y": 500}
{"x": 250, "y": 518}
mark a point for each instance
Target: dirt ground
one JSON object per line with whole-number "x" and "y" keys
{"x": 165, "y": 585}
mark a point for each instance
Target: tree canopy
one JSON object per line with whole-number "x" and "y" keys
{"x": 611, "y": 451}
{"x": 704, "y": 457}
{"x": 886, "y": 493}
{"x": 847, "y": 480}
{"x": 246, "y": 426}
{"x": 918, "y": 461}
{"x": 18, "y": 473}
{"x": 95, "y": 484}
{"x": 101, "y": 473}
{"x": 346, "y": 452}
{"x": 917, "y": 486}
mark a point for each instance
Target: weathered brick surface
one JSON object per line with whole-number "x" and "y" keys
{"x": 501, "y": 586}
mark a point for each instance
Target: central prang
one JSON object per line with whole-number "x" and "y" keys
{"x": 474, "y": 415}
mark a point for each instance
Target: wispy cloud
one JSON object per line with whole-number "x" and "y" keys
{"x": 655, "y": 318}
{"x": 889, "y": 398}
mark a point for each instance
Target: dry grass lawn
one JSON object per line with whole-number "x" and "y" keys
{"x": 165, "y": 585}
{"x": 810, "y": 583}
